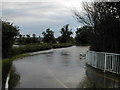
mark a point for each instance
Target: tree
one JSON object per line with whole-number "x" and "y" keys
{"x": 20, "y": 36}
{"x": 48, "y": 36}
{"x": 9, "y": 31}
{"x": 65, "y": 34}
{"x": 83, "y": 35}
{"x": 35, "y": 39}
{"x": 28, "y": 39}
{"x": 104, "y": 18}
{"x": 20, "y": 39}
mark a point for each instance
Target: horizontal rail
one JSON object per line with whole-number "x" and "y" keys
{"x": 104, "y": 61}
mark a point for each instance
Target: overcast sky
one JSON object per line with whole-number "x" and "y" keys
{"x": 36, "y": 16}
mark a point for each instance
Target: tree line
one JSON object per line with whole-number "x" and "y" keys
{"x": 11, "y": 35}
{"x": 81, "y": 38}
{"x": 48, "y": 37}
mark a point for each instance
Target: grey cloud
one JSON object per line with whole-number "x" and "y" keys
{"x": 36, "y": 17}
{"x": 46, "y": 11}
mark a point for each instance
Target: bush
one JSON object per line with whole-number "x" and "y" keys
{"x": 58, "y": 45}
{"x": 29, "y": 48}
{"x": 36, "y": 47}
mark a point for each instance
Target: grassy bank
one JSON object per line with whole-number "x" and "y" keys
{"x": 30, "y": 48}
{"x": 19, "y": 52}
{"x": 58, "y": 45}
{"x": 8, "y": 60}
{"x": 37, "y": 47}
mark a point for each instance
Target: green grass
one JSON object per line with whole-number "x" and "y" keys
{"x": 60, "y": 45}
{"x": 37, "y": 47}
{"x": 8, "y": 60}
{"x": 19, "y": 52}
{"x": 30, "y": 48}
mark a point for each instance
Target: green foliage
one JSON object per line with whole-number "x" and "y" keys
{"x": 48, "y": 36}
{"x": 31, "y": 44}
{"x": 9, "y": 31}
{"x": 65, "y": 34}
{"x": 83, "y": 35}
{"x": 22, "y": 40}
{"x": 107, "y": 28}
{"x": 9, "y": 60}
{"x": 30, "y": 48}
{"x": 104, "y": 17}
{"x": 36, "y": 47}
{"x": 58, "y": 45}
{"x": 18, "y": 52}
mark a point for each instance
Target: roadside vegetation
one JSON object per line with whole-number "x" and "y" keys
{"x": 103, "y": 18}
{"x": 27, "y": 43}
{"x": 58, "y": 45}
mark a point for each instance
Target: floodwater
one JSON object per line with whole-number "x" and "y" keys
{"x": 57, "y": 68}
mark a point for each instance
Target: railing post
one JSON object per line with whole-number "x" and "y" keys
{"x": 105, "y": 62}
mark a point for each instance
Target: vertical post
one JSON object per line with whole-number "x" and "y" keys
{"x": 113, "y": 60}
{"x": 105, "y": 62}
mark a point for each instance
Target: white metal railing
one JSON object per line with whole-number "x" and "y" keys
{"x": 104, "y": 61}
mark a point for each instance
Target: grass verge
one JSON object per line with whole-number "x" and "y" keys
{"x": 8, "y": 60}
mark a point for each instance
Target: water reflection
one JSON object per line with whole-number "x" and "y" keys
{"x": 48, "y": 57}
{"x": 65, "y": 53}
{"x": 65, "y": 58}
{"x": 58, "y": 69}
{"x": 95, "y": 79}
{"x": 59, "y": 66}
{"x": 14, "y": 79}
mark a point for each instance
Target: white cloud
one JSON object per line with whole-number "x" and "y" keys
{"x": 36, "y": 15}
{"x": 27, "y": 19}
{"x": 34, "y": 11}
{"x": 43, "y": 0}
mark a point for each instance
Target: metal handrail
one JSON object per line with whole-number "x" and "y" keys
{"x": 104, "y": 61}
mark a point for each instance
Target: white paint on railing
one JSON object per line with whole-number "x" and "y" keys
{"x": 104, "y": 61}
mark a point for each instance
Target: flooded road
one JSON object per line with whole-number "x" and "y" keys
{"x": 58, "y": 68}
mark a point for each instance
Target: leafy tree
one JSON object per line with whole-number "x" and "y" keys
{"x": 35, "y": 39}
{"x": 83, "y": 35}
{"x": 20, "y": 36}
{"x": 9, "y": 31}
{"x": 34, "y": 36}
{"x": 20, "y": 39}
{"x": 104, "y": 17}
{"x": 48, "y": 36}
{"x": 65, "y": 34}
{"x": 28, "y": 39}
{"x": 28, "y": 36}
